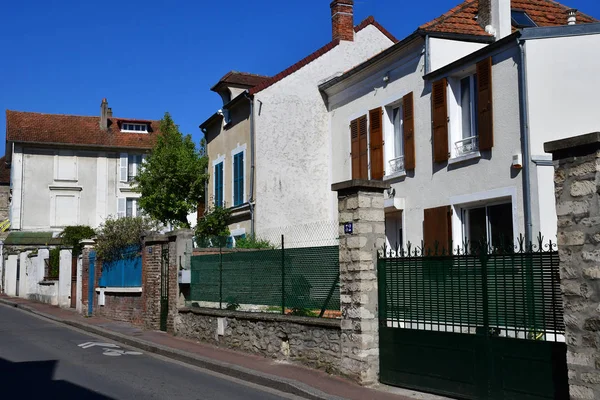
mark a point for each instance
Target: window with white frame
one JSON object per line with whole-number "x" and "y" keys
{"x": 492, "y": 223}
{"x": 134, "y": 127}
{"x": 130, "y": 166}
{"x": 464, "y": 130}
{"x": 395, "y": 136}
{"x": 129, "y": 207}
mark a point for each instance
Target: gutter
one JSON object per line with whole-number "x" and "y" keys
{"x": 523, "y": 97}
{"x": 251, "y": 196}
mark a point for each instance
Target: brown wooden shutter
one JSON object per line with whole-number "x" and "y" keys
{"x": 408, "y": 119}
{"x": 376, "y": 136}
{"x": 440, "y": 120}
{"x": 354, "y": 149}
{"x": 437, "y": 228}
{"x": 363, "y": 148}
{"x": 485, "y": 114}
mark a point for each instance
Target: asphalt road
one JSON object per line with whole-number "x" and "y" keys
{"x": 41, "y": 358}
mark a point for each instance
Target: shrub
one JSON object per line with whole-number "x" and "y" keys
{"x": 215, "y": 224}
{"x": 72, "y": 235}
{"x": 251, "y": 242}
{"x": 117, "y": 234}
{"x": 54, "y": 263}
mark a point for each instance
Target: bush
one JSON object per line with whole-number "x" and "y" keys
{"x": 251, "y": 242}
{"x": 214, "y": 224}
{"x": 54, "y": 263}
{"x": 117, "y": 234}
{"x": 72, "y": 235}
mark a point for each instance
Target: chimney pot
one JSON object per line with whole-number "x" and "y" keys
{"x": 104, "y": 114}
{"x": 342, "y": 19}
{"x": 109, "y": 112}
{"x": 572, "y": 16}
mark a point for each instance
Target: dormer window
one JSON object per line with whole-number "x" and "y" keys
{"x": 520, "y": 19}
{"x": 131, "y": 127}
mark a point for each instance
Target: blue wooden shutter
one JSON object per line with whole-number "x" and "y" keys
{"x": 238, "y": 179}
{"x": 219, "y": 185}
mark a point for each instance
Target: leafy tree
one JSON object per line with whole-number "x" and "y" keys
{"x": 252, "y": 242}
{"x": 116, "y": 235}
{"x": 72, "y": 235}
{"x": 214, "y": 224}
{"x": 172, "y": 179}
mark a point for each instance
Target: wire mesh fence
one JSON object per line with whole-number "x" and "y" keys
{"x": 489, "y": 291}
{"x": 300, "y": 281}
{"x": 314, "y": 234}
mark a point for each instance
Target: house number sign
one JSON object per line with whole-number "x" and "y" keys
{"x": 348, "y": 228}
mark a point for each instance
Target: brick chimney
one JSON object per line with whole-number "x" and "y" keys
{"x": 104, "y": 115}
{"x": 342, "y": 19}
{"x": 494, "y": 16}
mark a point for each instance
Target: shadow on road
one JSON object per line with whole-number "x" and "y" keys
{"x": 34, "y": 378}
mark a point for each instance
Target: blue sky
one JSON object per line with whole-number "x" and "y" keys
{"x": 148, "y": 57}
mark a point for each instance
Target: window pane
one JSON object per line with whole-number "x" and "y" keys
{"x": 393, "y": 230}
{"x": 500, "y": 217}
{"x": 476, "y": 229}
{"x": 398, "y": 139}
{"x": 129, "y": 208}
{"x": 465, "y": 105}
{"x": 130, "y": 167}
{"x": 475, "y": 106}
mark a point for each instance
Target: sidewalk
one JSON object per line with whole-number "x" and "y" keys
{"x": 283, "y": 376}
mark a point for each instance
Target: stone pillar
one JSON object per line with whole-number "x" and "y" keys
{"x": 577, "y": 183}
{"x": 88, "y": 247}
{"x": 362, "y": 234}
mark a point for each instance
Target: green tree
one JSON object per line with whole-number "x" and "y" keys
{"x": 116, "y": 235}
{"x": 72, "y": 235}
{"x": 172, "y": 179}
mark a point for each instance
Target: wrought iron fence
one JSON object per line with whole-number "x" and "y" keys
{"x": 467, "y": 146}
{"x": 396, "y": 165}
{"x": 300, "y": 281}
{"x": 499, "y": 291}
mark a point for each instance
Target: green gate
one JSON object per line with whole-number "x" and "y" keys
{"x": 473, "y": 325}
{"x": 164, "y": 286}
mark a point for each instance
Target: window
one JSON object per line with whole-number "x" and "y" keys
{"x": 129, "y": 207}
{"x": 138, "y": 128}
{"x": 468, "y": 142}
{"x": 520, "y": 19}
{"x": 129, "y": 166}
{"x": 218, "y": 186}
{"x": 238, "y": 178}
{"x": 393, "y": 230}
{"x": 492, "y": 223}
{"x": 396, "y": 158}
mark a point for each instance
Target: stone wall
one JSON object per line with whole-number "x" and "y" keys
{"x": 577, "y": 183}
{"x": 311, "y": 341}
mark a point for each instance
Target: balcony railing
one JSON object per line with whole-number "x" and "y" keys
{"x": 467, "y": 146}
{"x": 396, "y": 166}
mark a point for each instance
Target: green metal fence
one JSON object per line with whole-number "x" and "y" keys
{"x": 506, "y": 293}
{"x": 302, "y": 281}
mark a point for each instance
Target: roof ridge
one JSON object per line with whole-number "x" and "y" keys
{"x": 79, "y": 116}
{"x": 370, "y": 20}
{"x": 565, "y": 7}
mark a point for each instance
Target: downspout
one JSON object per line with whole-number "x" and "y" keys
{"x": 427, "y": 54}
{"x": 251, "y": 196}
{"x": 525, "y": 144}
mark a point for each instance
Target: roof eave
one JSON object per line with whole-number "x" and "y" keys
{"x": 210, "y": 120}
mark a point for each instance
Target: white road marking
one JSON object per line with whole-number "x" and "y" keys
{"x": 87, "y": 345}
{"x": 111, "y": 350}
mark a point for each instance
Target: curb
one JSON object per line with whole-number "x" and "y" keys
{"x": 248, "y": 375}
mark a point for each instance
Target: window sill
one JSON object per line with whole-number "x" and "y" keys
{"x": 465, "y": 157}
{"x": 69, "y": 188}
{"x": 394, "y": 176}
{"x": 114, "y": 289}
{"x": 48, "y": 282}
{"x": 128, "y": 188}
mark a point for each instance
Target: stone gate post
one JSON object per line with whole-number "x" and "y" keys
{"x": 577, "y": 183}
{"x": 362, "y": 234}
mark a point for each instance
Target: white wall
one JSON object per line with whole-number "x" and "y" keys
{"x": 10, "y": 275}
{"x": 64, "y": 281}
{"x": 79, "y": 301}
{"x": 434, "y": 185}
{"x": 563, "y": 84}
{"x": 293, "y": 150}
{"x": 44, "y": 200}
{"x": 443, "y": 51}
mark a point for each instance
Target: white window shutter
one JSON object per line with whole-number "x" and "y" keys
{"x": 121, "y": 207}
{"x": 123, "y": 169}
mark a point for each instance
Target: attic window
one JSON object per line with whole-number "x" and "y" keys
{"x": 129, "y": 127}
{"x": 520, "y": 19}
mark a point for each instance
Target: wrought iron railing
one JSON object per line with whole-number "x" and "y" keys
{"x": 396, "y": 165}
{"x": 467, "y": 146}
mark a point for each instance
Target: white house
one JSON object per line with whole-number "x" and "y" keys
{"x": 73, "y": 170}
{"x": 454, "y": 117}
{"x": 288, "y": 147}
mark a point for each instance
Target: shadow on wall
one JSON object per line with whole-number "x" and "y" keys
{"x": 34, "y": 378}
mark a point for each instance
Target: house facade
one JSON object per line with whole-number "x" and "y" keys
{"x": 454, "y": 118}
{"x": 285, "y": 137}
{"x": 74, "y": 170}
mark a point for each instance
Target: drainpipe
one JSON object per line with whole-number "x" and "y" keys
{"x": 251, "y": 196}
{"x": 525, "y": 144}
{"x": 426, "y": 54}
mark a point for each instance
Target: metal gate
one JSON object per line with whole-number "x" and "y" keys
{"x": 164, "y": 286}
{"x": 473, "y": 325}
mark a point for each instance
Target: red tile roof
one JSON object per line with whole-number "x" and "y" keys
{"x": 4, "y": 172}
{"x": 311, "y": 57}
{"x": 240, "y": 78}
{"x": 76, "y": 130}
{"x": 462, "y": 18}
